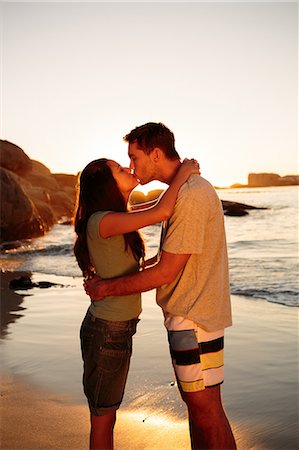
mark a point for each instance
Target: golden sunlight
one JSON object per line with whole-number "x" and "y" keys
{"x": 150, "y": 429}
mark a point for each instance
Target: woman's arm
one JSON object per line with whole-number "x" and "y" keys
{"x": 151, "y": 261}
{"x": 124, "y": 222}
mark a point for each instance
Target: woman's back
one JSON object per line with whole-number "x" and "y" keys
{"x": 111, "y": 259}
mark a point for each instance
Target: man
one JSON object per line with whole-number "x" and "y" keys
{"x": 191, "y": 277}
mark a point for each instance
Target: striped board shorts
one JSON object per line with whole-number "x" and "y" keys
{"x": 197, "y": 355}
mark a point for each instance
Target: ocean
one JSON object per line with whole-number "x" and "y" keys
{"x": 262, "y": 246}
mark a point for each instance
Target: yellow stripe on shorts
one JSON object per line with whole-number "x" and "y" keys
{"x": 192, "y": 386}
{"x": 212, "y": 360}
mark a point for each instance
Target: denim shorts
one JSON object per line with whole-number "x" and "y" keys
{"x": 106, "y": 348}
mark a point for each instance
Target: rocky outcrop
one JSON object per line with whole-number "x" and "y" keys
{"x": 13, "y": 158}
{"x": 271, "y": 179}
{"x": 24, "y": 282}
{"x": 19, "y": 217}
{"x": 236, "y": 209}
{"x": 32, "y": 198}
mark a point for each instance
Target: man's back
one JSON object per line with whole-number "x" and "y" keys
{"x": 201, "y": 291}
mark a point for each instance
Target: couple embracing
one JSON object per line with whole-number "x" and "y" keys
{"x": 190, "y": 275}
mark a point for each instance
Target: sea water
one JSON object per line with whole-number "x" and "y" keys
{"x": 262, "y": 246}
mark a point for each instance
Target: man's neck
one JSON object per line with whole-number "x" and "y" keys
{"x": 169, "y": 171}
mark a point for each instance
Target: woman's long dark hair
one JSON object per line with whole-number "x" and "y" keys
{"x": 98, "y": 191}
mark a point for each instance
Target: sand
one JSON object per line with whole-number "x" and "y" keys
{"x": 260, "y": 391}
{"x": 35, "y": 419}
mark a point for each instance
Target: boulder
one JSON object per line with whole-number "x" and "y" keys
{"x": 38, "y": 167}
{"x": 32, "y": 198}
{"x": 24, "y": 282}
{"x": 14, "y": 158}
{"x": 46, "y": 213}
{"x": 62, "y": 204}
{"x": 19, "y": 217}
{"x": 46, "y": 182}
{"x": 236, "y": 209}
{"x": 65, "y": 180}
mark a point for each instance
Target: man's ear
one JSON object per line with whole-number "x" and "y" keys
{"x": 156, "y": 155}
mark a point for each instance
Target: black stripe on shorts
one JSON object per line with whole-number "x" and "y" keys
{"x": 211, "y": 346}
{"x": 186, "y": 357}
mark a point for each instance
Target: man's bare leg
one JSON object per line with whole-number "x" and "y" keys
{"x": 209, "y": 426}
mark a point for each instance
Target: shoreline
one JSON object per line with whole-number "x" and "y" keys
{"x": 259, "y": 388}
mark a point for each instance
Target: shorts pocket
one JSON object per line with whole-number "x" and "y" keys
{"x": 111, "y": 360}
{"x": 184, "y": 348}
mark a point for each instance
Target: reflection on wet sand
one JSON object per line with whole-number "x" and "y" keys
{"x": 10, "y": 301}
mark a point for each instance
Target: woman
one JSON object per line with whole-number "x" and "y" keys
{"x": 108, "y": 244}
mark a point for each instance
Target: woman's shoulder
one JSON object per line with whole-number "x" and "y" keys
{"x": 93, "y": 223}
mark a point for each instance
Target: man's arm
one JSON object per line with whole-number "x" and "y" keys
{"x": 164, "y": 272}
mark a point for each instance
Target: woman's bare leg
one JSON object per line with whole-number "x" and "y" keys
{"x": 101, "y": 432}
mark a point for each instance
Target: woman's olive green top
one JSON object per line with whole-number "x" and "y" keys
{"x": 111, "y": 259}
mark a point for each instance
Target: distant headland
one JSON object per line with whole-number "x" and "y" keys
{"x": 33, "y": 199}
{"x": 268, "y": 180}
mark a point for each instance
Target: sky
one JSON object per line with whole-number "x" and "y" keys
{"x": 76, "y": 77}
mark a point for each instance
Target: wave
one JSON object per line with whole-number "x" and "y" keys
{"x": 265, "y": 268}
{"x": 50, "y": 250}
{"x": 282, "y": 297}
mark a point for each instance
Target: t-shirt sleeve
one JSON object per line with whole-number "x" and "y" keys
{"x": 93, "y": 225}
{"x": 186, "y": 227}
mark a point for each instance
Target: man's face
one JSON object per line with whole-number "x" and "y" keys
{"x": 141, "y": 163}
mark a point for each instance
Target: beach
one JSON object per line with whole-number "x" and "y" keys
{"x": 42, "y": 405}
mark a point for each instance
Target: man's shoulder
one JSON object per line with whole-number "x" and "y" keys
{"x": 196, "y": 185}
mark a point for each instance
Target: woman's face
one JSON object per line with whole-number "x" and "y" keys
{"x": 126, "y": 181}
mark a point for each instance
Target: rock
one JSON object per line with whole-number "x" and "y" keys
{"x": 46, "y": 213}
{"x": 38, "y": 167}
{"x": 236, "y": 209}
{"x": 47, "y": 284}
{"x": 62, "y": 204}
{"x": 65, "y": 180}
{"x": 10, "y": 245}
{"x": 32, "y": 198}
{"x": 48, "y": 183}
{"x": 19, "y": 217}
{"x": 25, "y": 282}
{"x": 14, "y": 158}
{"x": 271, "y": 179}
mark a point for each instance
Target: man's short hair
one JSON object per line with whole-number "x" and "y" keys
{"x": 151, "y": 135}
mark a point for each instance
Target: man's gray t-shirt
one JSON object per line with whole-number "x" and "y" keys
{"x": 201, "y": 290}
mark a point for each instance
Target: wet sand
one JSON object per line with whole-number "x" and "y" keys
{"x": 38, "y": 412}
{"x": 34, "y": 419}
